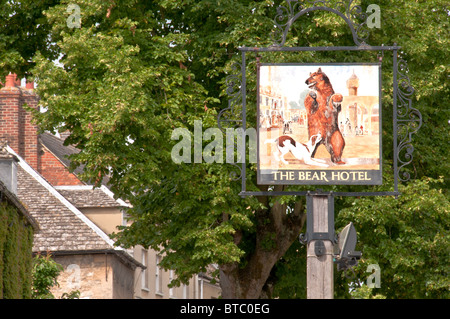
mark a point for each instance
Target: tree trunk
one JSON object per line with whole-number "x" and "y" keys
{"x": 276, "y": 231}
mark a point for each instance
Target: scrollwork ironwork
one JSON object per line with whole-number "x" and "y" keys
{"x": 409, "y": 121}
{"x": 232, "y": 113}
{"x": 237, "y": 173}
{"x": 287, "y": 15}
{"x": 231, "y": 116}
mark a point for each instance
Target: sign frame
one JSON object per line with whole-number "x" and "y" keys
{"x": 406, "y": 119}
{"x": 280, "y": 174}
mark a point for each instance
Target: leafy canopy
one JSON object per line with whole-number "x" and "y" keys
{"x": 136, "y": 70}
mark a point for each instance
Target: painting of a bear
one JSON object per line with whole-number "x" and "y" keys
{"x": 322, "y": 106}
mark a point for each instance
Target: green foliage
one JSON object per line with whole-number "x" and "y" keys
{"x": 364, "y": 292}
{"x": 45, "y": 277}
{"x": 16, "y": 240}
{"x": 74, "y": 294}
{"x": 407, "y": 237}
{"x": 426, "y": 52}
{"x": 424, "y": 39}
{"x": 290, "y": 274}
{"x": 45, "y": 274}
{"x": 23, "y": 30}
{"x": 21, "y": 275}
{"x": 136, "y": 70}
{"x": 126, "y": 82}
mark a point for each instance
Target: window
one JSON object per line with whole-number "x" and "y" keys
{"x": 185, "y": 291}
{"x": 200, "y": 288}
{"x": 170, "y": 281}
{"x": 125, "y": 218}
{"x": 158, "y": 276}
{"x": 144, "y": 274}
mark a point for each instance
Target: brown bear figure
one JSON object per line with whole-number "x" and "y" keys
{"x": 322, "y": 107}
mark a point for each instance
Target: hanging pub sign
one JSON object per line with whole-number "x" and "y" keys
{"x": 319, "y": 124}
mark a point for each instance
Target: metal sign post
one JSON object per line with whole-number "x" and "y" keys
{"x": 320, "y": 236}
{"x": 319, "y": 254}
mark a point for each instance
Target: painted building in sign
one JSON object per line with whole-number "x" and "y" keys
{"x": 359, "y": 114}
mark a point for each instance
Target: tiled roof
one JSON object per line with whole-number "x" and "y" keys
{"x": 62, "y": 152}
{"x": 86, "y": 196}
{"x": 10, "y": 194}
{"x": 63, "y": 229}
{"x": 62, "y": 226}
{"x": 56, "y": 145}
{"x": 12, "y": 198}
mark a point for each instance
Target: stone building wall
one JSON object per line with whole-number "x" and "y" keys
{"x": 96, "y": 276}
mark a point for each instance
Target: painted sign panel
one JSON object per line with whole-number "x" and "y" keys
{"x": 319, "y": 124}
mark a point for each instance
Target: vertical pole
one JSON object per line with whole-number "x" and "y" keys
{"x": 319, "y": 263}
{"x": 244, "y": 123}
{"x": 395, "y": 128}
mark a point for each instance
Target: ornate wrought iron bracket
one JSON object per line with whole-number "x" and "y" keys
{"x": 234, "y": 115}
{"x": 287, "y": 15}
{"x": 407, "y": 120}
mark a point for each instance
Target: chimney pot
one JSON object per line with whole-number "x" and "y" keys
{"x": 29, "y": 85}
{"x": 10, "y": 80}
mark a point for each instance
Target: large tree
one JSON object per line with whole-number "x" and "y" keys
{"x": 24, "y": 30}
{"x": 134, "y": 71}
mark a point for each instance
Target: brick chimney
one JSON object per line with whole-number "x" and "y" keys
{"x": 15, "y": 121}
